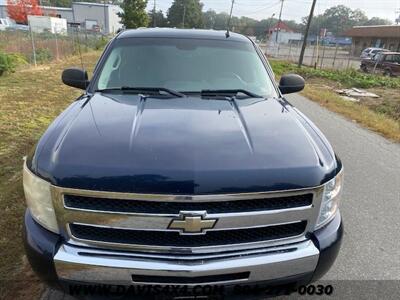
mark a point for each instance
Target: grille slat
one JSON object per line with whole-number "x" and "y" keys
{"x": 171, "y": 238}
{"x": 158, "y": 207}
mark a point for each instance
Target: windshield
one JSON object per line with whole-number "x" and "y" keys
{"x": 185, "y": 65}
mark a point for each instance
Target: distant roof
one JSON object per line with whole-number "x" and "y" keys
{"x": 282, "y": 26}
{"x": 56, "y": 8}
{"x": 92, "y": 4}
{"x": 375, "y": 31}
{"x": 183, "y": 33}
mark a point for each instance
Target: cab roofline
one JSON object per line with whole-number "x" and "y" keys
{"x": 182, "y": 33}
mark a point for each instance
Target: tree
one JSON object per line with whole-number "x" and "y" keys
{"x": 134, "y": 13}
{"x": 157, "y": 19}
{"x": 377, "y": 21}
{"x": 337, "y": 19}
{"x": 18, "y": 10}
{"x": 186, "y": 14}
{"x": 57, "y": 3}
{"x": 209, "y": 18}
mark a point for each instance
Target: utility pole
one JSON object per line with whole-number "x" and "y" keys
{"x": 105, "y": 17}
{"x": 279, "y": 22}
{"x": 271, "y": 21}
{"x": 154, "y": 14}
{"x": 398, "y": 19}
{"x": 303, "y": 48}
{"x": 184, "y": 14}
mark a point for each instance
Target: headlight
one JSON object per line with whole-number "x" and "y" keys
{"x": 330, "y": 200}
{"x": 38, "y": 199}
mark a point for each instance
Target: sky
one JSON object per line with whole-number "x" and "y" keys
{"x": 292, "y": 9}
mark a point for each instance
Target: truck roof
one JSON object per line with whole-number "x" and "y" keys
{"x": 182, "y": 33}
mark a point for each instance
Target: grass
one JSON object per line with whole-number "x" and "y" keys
{"x": 381, "y": 115}
{"x": 357, "y": 112}
{"x": 348, "y": 78}
{"x": 29, "y": 100}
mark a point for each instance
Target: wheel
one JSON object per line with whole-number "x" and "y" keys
{"x": 364, "y": 68}
{"x": 387, "y": 73}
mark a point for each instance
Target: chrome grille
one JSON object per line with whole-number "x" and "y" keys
{"x": 151, "y": 207}
{"x": 140, "y": 222}
{"x": 170, "y": 238}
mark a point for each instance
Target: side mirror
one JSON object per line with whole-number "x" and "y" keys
{"x": 75, "y": 77}
{"x": 291, "y": 83}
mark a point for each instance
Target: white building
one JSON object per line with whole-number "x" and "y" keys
{"x": 105, "y": 16}
{"x": 41, "y": 24}
{"x": 282, "y": 34}
{"x": 92, "y": 16}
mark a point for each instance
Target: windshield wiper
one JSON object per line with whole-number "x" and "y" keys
{"x": 228, "y": 93}
{"x": 144, "y": 90}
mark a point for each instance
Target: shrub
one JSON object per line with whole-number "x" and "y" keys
{"x": 43, "y": 55}
{"x": 349, "y": 78}
{"x": 101, "y": 43}
{"x": 9, "y": 61}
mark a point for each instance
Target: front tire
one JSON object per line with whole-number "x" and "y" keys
{"x": 364, "y": 68}
{"x": 387, "y": 73}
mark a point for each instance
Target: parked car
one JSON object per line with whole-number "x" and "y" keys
{"x": 386, "y": 63}
{"x": 371, "y": 52}
{"x": 4, "y": 23}
{"x": 15, "y": 26}
{"x": 182, "y": 164}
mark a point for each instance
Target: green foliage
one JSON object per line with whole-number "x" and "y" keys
{"x": 100, "y": 43}
{"x": 349, "y": 78}
{"x": 338, "y": 19}
{"x": 9, "y": 61}
{"x": 186, "y": 14}
{"x": 377, "y": 21}
{"x": 157, "y": 19}
{"x": 43, "y": 55}
{"x": 134, "y": 13}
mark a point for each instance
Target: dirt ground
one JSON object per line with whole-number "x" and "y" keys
{"x": 388, "y": 102}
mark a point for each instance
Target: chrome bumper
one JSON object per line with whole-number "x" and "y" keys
{"x": 100, "y": 266}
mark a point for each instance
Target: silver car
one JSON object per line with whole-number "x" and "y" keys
{"x": 371, "y": 52}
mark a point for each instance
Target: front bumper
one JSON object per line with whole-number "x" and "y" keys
{"x": 56, "y": 262}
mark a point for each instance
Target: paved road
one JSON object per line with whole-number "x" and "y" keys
{"x": 371, "y": 200}
{"x": 370, "y": 208}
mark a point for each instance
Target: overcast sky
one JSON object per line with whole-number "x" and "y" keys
{"x": 292, "y": 9}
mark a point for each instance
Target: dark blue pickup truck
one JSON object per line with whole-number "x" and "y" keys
{"x": 182, "y": 164}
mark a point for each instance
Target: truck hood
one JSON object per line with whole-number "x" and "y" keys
{"x": 125, "y": 143}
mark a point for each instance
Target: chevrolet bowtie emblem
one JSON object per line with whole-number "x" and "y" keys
{"x": 192, "y": 223}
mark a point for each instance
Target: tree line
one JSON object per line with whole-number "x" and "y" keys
{"x": 190, "y": 14}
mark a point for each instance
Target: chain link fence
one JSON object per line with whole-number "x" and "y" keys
{"x": 317, "y": 56}
{"x": 28, "y": 47}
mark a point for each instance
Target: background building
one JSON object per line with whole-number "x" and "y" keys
{"x": 3, "y": 9}
{"x": 383, "y": 36}
{"x": 286, "y": 34}
{"x": 91, "y": 16}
